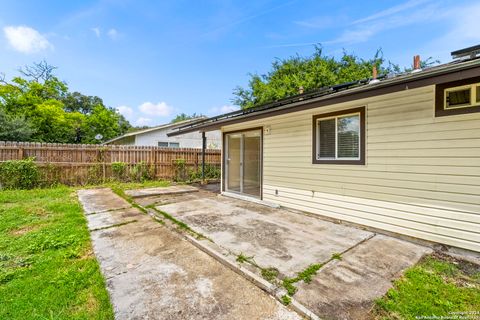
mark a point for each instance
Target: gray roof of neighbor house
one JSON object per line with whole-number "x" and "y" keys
{"x": 160, "y": 127}
{"x": 452, "y": 71}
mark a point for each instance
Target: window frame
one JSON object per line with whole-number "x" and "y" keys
{"x": 442, "y": 89}
{"x": 163, "y": 142}
{"x": 339, "y": 114}
{"x": 177, "y": 143}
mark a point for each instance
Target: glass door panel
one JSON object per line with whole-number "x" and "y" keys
{"x": 244, "y": 162}
{"x": 234, "y": 142}
{"x": 252, "y": 163}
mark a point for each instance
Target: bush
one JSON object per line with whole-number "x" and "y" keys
{"x": 19, "y": 174}
{"x": 95, "y": 174}
{"x": 119, "y": 171}
{"x": 141, "y": 172}
{"x": 180, "y": 170}
{"x": 211, "y": 172}
{"x": 50, "y": 176}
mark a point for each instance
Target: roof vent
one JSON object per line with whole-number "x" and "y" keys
{"x": 374, "y": 76}
{"x": 466, "y": 53}
{"x": 416, "y": 64}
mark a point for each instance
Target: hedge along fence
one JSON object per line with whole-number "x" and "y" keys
{"x": 79, "y": 164}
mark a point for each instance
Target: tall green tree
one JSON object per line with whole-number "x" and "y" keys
{"x": 14, "y": 128}
{"x": 183, "y": 116}
{"x": 40, "y": 100}
{"x": 318, "y": 70}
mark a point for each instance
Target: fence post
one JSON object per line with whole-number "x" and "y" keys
{"x": 204, "y": 146}
{"x": 20, "y": 153}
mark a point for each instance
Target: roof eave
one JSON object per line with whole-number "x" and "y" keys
{"x": 456, "y": 72}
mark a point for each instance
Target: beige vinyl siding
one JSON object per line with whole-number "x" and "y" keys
{"x": 421, "y": 178}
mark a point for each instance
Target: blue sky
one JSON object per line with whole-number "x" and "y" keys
{"x": 155, "y": 59}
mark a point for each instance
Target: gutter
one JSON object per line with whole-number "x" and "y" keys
{"x": 414, "y": 80}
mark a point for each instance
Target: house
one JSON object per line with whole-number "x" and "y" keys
{"x": 400, "y": 153}
{"x": 157, "y": 136}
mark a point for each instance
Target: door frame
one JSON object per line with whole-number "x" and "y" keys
{"x": 224, "y": 155}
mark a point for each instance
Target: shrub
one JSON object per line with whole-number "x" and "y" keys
{"x": 50, "y": 175}
{"x": 19, "y": 174}
{"x": 119, "y": 171}
{"x": 211, "y": 172}
{"x": 141, "y": 172}
{"x": 95, "y": 174}
{"x": 180, "y": 170}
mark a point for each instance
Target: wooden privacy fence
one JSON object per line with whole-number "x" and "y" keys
{"x": 75, "y": 164}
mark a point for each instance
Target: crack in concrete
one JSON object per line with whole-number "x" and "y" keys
{"x": 108, "y": 210}
{"x": 114, "y": 225}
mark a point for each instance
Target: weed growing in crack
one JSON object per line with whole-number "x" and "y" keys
{"x": 336, "y": 256}
{"x": 241, "y": 258}
{"x": 270, "y": 274}
{"x": 287, "y": 283}
{"x": 286, "y": 300}
{"x": 307, "y": 274}
{"x": 181, "y": 225}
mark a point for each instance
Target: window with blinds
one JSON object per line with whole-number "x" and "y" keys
{"x": 339, "y": 137}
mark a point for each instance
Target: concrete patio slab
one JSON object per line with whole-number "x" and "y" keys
{"x": 148, "y": 192}
{"x": 347, "y": 288}
{"x": 276, "y": 238}
{"x": 153, "y": 273}
{"x": 173, "y": 198}
{"x": 112, "y": 218}
{"x": 99, "y": 200}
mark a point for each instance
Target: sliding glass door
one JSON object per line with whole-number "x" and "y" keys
{"x": 243, "y": 152}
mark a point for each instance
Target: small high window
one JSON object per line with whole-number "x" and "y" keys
{"x": 457, "y": 97}
{"x": 165, "y": 144}
{"x": 339, "y": 137}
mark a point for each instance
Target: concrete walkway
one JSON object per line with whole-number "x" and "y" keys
{"x": 291, "y": 241}
{"x": 153, "y": 273}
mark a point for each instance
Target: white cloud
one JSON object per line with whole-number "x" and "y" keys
{"x": 392, "y": 10}
{"x": 126, "y": 111}
{"x": 323, "y": 22}
{"x": 25, "y": 39}
{"x": 143, "y": 121}
{"x": 388, "y": 19}
{"x": 223, "y": 109}
{"x": 160, "y": 109}
{"x": 461, "y": 32}
{"x": 112, "y": 33}
{"x": 96, "y": 30}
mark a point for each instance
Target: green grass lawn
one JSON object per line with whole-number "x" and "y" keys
{"x": 438, "y": 286}
{"x": 47, "y": 268}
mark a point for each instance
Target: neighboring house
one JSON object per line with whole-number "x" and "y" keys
{"x": 157, "y": 136}
{"x": 400, "y": 153}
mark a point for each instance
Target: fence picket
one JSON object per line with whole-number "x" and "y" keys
{"x": 72, "y": 163}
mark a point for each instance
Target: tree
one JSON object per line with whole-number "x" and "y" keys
{"x": 41, "y": 100}
{"x": 77, "y": 102}
{"x": 14, "y": 128}
{"x": 184, "y": 116}
{"x": 288, "y": 75}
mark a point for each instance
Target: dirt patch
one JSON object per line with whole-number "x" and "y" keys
{"x": 87, "y": 254}
{"x": 24, "y": 230}
{"x": 41, "y": 212}
{"x": 468, "y": 268}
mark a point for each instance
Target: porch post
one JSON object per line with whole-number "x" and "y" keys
{"x": 204, "y": 146}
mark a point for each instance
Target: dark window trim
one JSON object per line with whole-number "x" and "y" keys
{"x": 363, "y": 140}
{"x": 440, "y": 110}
